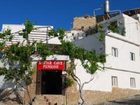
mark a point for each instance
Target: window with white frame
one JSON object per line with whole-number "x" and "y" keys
{"x": 132, "y": 82}
{"x": 132, "y": 56}
{"x": 114, "y": 52}
{"x": 114, "y": 81}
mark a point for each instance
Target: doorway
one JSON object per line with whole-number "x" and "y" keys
{"x": 51, "y": 82}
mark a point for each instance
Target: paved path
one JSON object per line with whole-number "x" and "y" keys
{"x": 133, "y": 100}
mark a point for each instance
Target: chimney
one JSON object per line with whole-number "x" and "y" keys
{"x": 106, "y": 7}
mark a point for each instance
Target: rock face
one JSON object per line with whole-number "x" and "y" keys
{"x": 84, "y": 23}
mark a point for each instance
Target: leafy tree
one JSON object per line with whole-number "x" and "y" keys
{"x": 18, "y": 69}
{"x": 6, "y": 32}
{"x": 28, "y": 28}
{"x": 90, "y": 61}
{"x": 101, "y": 32}
{"x": 113, "y": 27}
{"x": 43, "y": 50}
{"x": 57, "y": 33}
{"x": 18, "y": 59}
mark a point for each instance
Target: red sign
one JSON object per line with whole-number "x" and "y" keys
{"x": 51, "y": 65}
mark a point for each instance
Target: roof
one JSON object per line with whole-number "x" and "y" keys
{"x": 132, "y": 12}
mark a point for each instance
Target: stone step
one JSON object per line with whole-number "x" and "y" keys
{"x": 49, "y": 100}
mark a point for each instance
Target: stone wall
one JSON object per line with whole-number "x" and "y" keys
{"x": 84, "y": 23}
{"x": 71, "y": 95}
{"x": 99, "y": 97}
{"x": 49, "y": 100}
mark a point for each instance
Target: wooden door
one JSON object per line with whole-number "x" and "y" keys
{"x": 38, "y": 82}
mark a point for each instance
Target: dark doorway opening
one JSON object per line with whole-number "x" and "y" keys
{"x": 51, "y": 82}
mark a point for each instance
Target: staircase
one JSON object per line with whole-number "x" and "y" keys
{"x": 37, "y": 35}
{"x": 49, "y": 100}
{"x": 17, "y": 38}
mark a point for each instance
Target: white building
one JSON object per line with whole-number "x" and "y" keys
{"x": 39, "y": 33}
{"x": 122, "y": 49}
{"x": 74, "y": 35}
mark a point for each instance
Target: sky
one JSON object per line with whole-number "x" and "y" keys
{"x": 58, "y": 13}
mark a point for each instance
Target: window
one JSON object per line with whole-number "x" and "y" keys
{"x": 94, "y": 51}
{"x": 114, "y": 52}
{"x": 114, "y": 81}
{"x": 132, "y": 82}
{"x": 132, "y": 56}
{"x": 72, "y": 34}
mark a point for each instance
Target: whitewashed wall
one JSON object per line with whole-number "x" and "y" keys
{"x": 40, "y": 34}
{"x": 13, "y": 27}
{"x": 132, "y": 27}
{"x": 102, "y": 79}
{"x": 123, "y": 60}
{"x": 120, "y": 66}
{"x": 74, "y": 35}
{"x": 91, "y": 43}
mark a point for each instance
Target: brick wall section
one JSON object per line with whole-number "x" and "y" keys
{"x": 86, "y": 22}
